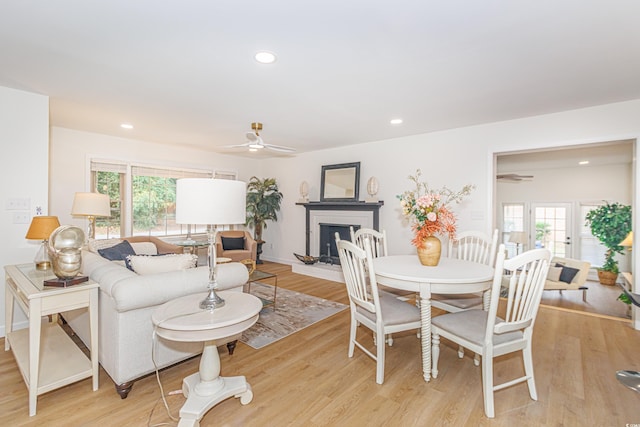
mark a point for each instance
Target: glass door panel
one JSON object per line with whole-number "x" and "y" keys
{"x": 551, "y": 228}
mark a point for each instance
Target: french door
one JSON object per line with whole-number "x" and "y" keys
{"x": 551, "y": 227}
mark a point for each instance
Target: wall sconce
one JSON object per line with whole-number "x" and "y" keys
{"x": 372, "y": 190}
{"x": 304, "y": 192}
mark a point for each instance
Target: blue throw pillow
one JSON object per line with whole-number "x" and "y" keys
{"x": 567, "y": 273}
{"x": 117, "y": 252}
{"x": 232, "y": 243}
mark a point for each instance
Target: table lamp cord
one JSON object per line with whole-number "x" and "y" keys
{"x": 154, "y": 342}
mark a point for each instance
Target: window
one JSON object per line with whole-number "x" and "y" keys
{"x": 108, "y": 178}
{"x": 153, "y": 194}
{"x": 143, "y": 199}
{"x": 512, "y": 220}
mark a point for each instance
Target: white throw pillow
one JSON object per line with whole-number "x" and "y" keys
{"x": 554, "y": 274}
{"x": 149, "y": 264}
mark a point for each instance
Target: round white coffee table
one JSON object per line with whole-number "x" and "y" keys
{"x": 183, "y": 320}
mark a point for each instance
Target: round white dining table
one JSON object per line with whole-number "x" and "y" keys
{"x": 450, "y": 276}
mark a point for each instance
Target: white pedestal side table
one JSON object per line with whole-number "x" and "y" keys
{"x": 183, "y": 320}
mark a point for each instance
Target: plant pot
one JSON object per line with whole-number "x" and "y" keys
{"x": 429, "y": 252}
{"x": 607, "y": 278}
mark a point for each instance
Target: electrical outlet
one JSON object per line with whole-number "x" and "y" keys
{"x": 21, "y": 218}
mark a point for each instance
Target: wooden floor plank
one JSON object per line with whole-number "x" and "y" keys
{"x": 307, "y": 379}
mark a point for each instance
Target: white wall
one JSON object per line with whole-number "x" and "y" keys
{"x": 24, "y": 135}
{"x": 72, "y": 150}
{"x": 453, "y": 158}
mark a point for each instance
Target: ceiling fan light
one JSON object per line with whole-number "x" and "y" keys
{"x": 253, "y": 149}
{"x": 256, "y": 146}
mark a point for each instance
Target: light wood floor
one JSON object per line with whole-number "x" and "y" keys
{"x": 308, "y": 380}
{"x": 601, "y": 299}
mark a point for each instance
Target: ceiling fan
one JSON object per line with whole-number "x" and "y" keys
{"x": 513, "y": 177}
{"x": 255, "y": 142}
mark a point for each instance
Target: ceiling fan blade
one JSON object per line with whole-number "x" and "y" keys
{"x": 279, "y": 148}
{"x": 237, "y": 145}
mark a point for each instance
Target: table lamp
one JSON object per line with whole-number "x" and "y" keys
{"x": 628, "y": 241}
{"x": 211, "y": 202}
{"x": 40, "y": 229}
{"x": 91, "y": 205}
{"x": 519, "y": 238}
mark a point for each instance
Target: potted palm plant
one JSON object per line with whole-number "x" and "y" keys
{"x": 263, "y": 204}
{"x": 610, "y": 223}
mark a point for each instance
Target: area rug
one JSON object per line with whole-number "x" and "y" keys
{"x": 293, "y": 312}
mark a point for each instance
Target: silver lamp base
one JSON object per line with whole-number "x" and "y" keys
{"x": 212, "y": 301}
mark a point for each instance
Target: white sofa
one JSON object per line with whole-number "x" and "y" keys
{"x": 126, "y": 301}
{"x": 578, "y": 281}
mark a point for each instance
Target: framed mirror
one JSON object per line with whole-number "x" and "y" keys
{"x": 340, "y": 183}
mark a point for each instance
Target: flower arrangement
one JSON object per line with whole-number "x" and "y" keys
{"x": 429, "y": 209}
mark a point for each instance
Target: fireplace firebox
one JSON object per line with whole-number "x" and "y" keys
{"x": 328, "y": 250}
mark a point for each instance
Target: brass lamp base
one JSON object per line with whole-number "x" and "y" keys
{"x": 43, "y": 265}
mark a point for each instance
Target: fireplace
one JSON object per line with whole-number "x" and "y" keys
{"x": 328, "y": 250}
{"x": 343, "y": 214}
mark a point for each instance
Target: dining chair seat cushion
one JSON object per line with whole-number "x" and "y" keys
{"x": 394, "y": 311}
{"x": 463, "y": 302}
{"x": 471, "y": 325}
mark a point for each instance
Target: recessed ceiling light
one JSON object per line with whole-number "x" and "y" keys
{"x": 265, "y": 57}
{"x": 396, "y": 121}
{"x": 126, "y": 126}
{"x": 583, "y": 162}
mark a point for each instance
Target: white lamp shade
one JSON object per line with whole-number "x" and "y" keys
{"x": 91, "y": 204}
{"x": 519, "y": 237}
{"x": 207, "y": 201}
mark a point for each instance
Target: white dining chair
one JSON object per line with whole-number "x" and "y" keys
{"x": 474, "y": 246}
{"x": 378, "y": 240}
{"x": 491, "y": 336}
{"x": 380, "y": 312}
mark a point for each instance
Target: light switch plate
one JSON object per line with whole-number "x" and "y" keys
{"x": 21, "y": 217}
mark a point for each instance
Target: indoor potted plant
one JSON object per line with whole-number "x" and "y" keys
{"x": 610, "y": 223}
{"x": 263, "y": 204}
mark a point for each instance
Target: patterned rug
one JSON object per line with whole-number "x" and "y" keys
{"x": 294, "y": 311}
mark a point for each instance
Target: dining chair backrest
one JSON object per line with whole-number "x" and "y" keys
{"x": 377, "y": 239}
{"x": 474, "y": 246}
{"x": 524, "y": 276}
{"x": 356, "y": 266}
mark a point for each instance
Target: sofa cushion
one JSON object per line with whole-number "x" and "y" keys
{"x": 554, "y": 273}
{"x": 232, "y": 243}
{"x": 568, "y": 273}
{"x": 96, "y": 245}
{"x": 144, "y": 248}
{"x": 152, "y": 264}
{"x": 117, "y": 252}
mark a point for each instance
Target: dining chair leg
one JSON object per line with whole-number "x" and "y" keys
{"x": 435, "y": 354}
{"x": 380, "y": 359}
{"x": 528, "y": 369}
{"x": 487, "y": 385}
{"x": 352, "y": 337}
{"x": 476, "y": 359}
{"x": 390, "y": 340}
{"x": 460, "y": 352}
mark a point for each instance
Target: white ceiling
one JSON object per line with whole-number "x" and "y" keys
{"x": 182, "y": 72}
